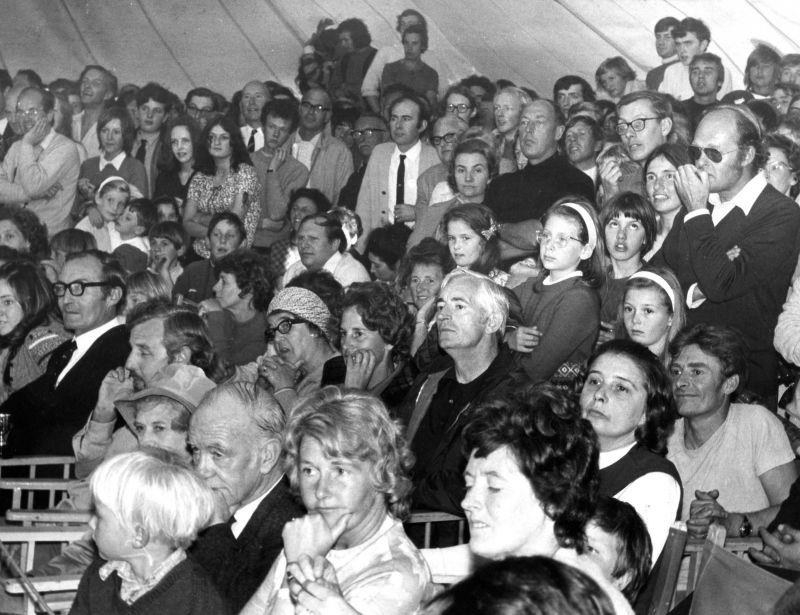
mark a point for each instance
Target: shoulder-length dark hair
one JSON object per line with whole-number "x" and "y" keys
{"x": 660, "y": 412}
{"x": 35, "y": 295}
{"x": 632, "y": 205}
{"x": 556, "y": 450}
{"x": 30, "y": 227}
{"x": 482, "y": 221}
{"x": 167, "y": 161}
{"x": 116, "y": 112}
{"x": 382, "y": 310}
{"x": 204, "y": 163}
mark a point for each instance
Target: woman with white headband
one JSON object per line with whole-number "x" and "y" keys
{"x": 561, "y": 306}
{"x": 652, "y": 310}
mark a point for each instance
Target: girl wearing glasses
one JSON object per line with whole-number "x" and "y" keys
{"x": 225, "y": 181}
{"x": 29, "y": 333}
{"x": 561, "y": 306}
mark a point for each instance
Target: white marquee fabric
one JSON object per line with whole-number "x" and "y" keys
{"x": 224, "y": 43}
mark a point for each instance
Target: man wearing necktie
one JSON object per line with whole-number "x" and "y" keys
{"x": 51, "y": 409}
{"x": 254, "y": 96}
{"x": 40, "y": 171}
{"x": 389, "y": 190}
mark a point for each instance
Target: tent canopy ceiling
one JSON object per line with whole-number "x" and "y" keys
{"x": 222, "y": 44}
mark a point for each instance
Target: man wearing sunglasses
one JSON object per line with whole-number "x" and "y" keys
{"x": 389, "y": 190}
{"x": 90, "y": 291}
{"x": 735, "y": 248}
{"x": 328, "y": 160}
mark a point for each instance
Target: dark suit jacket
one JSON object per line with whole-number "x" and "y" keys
{"x": 747, "y": 292}
{"x": 46, "y": 416}
{"x": 239, "y": 565}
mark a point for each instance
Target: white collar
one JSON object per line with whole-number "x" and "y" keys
{"x": 313, "y": 140}
{"x": 745, "y": 198}
{"x": 549, "y": 280}
{"x": 333, "y": 262}
{"x": 3, "y": 124}
{"x": 116, "y": 161}
{"x": 672, "y": 58}
{"x": 412, "y": 153}
{"x": 84, "y": 341}
{"x": 45, "y": 143}
{"x": 243, "y": 515}
{"x": 608, "y": 458}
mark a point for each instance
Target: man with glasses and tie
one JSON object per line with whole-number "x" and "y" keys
{"x": 736, "y": 246}
{"x": 46, "y": 413}
{"x": 40, "y": 171}
{"x": 520, "y": 198}
{"x": 644, "y": 121}
{"x": 328, "y": 160}
{"x": 389, "y": 190}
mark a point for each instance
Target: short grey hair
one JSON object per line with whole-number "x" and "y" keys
{"x": 257, "y": 403}
{"x": 489, "y": 297}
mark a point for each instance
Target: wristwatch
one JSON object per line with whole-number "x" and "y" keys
{"x": 746, "y": 528}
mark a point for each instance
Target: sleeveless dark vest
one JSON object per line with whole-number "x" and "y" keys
{"x": 634, "y": 464}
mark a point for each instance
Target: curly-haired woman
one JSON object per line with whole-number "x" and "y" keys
{"x": 349, "y": 554}
{"x": 376, "y": 332}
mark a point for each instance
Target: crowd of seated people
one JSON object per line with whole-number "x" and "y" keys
{"x": 268, "y": 327}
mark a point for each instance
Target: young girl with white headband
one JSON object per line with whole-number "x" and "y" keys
{"x": 652, "y": 310}
{"x": 561, "y": 306}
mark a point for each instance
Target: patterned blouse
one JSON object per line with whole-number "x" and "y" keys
{"x": 212, "y": 200}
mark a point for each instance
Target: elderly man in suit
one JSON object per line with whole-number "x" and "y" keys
{"x": 236, "y": 439}
{"x": 40, "y": 171}
{"x": 389, "y": 190}
{"x": 48, "y": 411}
{"x": 735, "y": 247}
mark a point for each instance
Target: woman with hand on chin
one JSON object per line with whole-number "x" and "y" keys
{"x": 660, "y": 170}
{"x": 375, "y": 333}
{"x": 349, "y": 554}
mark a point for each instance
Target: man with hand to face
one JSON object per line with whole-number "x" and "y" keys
{"x": 389, "y": 190}
{"x": 735, "y": 248}
{"x": 277, "y": 170}
{"x": 40, "y": 171}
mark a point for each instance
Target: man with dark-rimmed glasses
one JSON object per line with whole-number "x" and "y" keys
{"x": 327, "y": 158}
{"x": 46, "y": 413}
{"x": 735, "y": 248}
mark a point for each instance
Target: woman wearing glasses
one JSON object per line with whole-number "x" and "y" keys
{"x": 225, "y": 181}
{"x": 783, "y": 165}
{"x": 301, "y": 355}
{"x": 29, "y": 333}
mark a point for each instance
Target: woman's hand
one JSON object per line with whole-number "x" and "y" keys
{"x": 279, "y": 373}
{"x": 606, "y": 332}
{"x": 360, "y": 365}
{"x": 311, "y": 536}
{"x": 523, "y": 339}
{"x": 315, "y": 588}
{"x": 208, "y": 305}
{"x": 86, "y": 188}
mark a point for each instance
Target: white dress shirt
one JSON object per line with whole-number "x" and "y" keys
{"x": 411, "y": 175}
{"x": 245, "y": 513}
{"x": 115, "y": 162}
{"x": 676, "y": 82}
{"x": 83, "y": 342}
{"x": 744, "y": 200}
{"x": 247, "y": 130}
{"x": 302, "y": 151}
